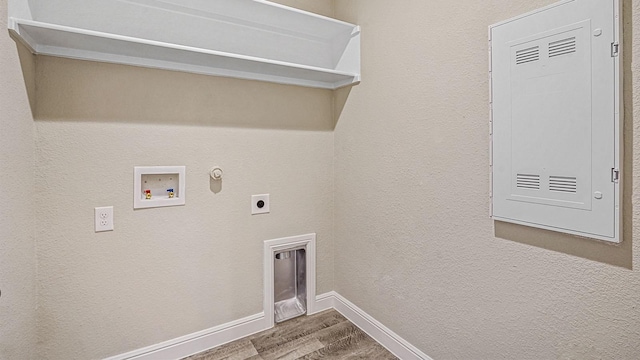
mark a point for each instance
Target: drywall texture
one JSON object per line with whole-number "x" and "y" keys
{"x": 168, "y": 272}
{"x": 415, "y": 247}
{"x": 17, "y": 244}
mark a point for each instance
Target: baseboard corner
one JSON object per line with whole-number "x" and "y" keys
{"x": 380, "y": 333}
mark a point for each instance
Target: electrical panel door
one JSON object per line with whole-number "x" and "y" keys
{"x": 555, "y": 127}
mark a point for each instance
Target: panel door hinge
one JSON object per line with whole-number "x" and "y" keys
{"x": 615, "y": 49}
{"x": 615, "y": 175}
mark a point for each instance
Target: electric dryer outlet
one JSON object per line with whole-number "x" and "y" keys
{"x": 260, "y": 204}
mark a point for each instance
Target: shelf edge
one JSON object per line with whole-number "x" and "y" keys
{"x": 70, "y": 52}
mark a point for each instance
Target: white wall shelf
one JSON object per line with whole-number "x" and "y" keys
{"x": 248, "y": 39}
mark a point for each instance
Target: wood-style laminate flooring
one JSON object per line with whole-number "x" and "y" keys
{"x": 327, "y": 335}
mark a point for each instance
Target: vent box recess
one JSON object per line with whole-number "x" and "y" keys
{"x": 556, "y": 119}
{"x": 158, "y": 186}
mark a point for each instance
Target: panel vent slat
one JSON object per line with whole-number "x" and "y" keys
{"x": 563, "y": 184}
{"x": 527, "y": 55}
{"x": 562, "y": 47}
{"x": 528, "y": 181}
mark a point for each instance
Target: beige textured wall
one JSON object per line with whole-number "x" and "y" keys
{"x": 168, "y": 272}
{"x": 17, "y": 244}
{"x": 414, "y": 245}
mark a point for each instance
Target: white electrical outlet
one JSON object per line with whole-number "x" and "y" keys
{"x": 104, "y": 218}
{"x": 259, "y": 204}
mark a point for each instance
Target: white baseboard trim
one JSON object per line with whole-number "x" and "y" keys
{"x": 380, "y": 333}
{"x": 199, "y": 341}
{"x": 324, "y": 302}
{"x": 219, "y": 335}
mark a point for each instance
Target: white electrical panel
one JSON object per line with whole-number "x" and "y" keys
{"x": 556, "y": 119}
{"x": 158, "y": 186}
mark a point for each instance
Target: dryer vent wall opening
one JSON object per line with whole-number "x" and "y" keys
{"x": 290, "y": 284}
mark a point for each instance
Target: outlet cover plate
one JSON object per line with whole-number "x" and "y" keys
{"x": 103, "y": 218}
{"x": 255, "y": 199}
